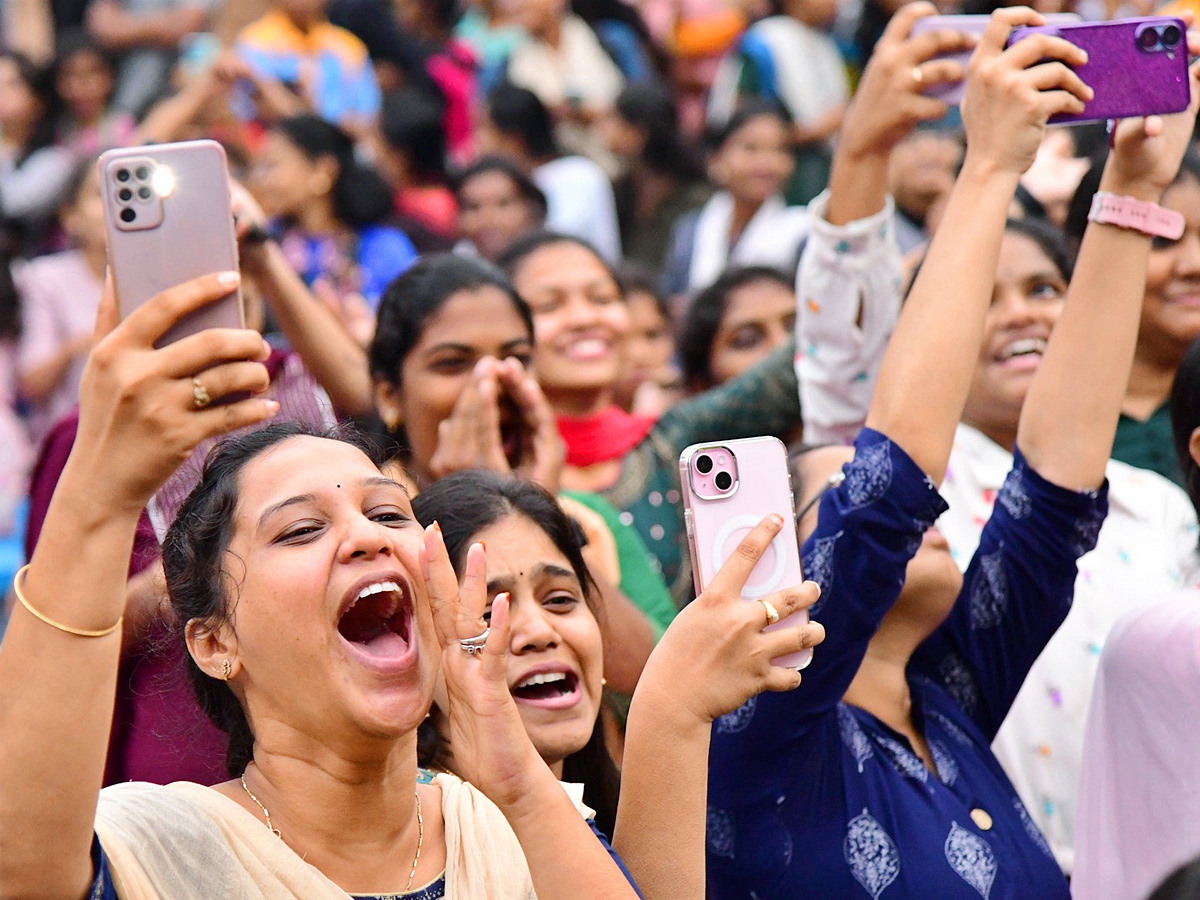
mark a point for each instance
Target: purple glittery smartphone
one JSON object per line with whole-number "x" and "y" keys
{"x": 1137, "y": 67}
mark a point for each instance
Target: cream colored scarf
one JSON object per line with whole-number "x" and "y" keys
{"x": 187, "y": 842}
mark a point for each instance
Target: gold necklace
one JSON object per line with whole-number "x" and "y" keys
{"x": 420, "y": 828}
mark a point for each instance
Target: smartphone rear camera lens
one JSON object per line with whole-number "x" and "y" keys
{"x": 122, "y": 174}
{"x": 704, "y": 464}
{"x": 142, "y": 173}
{"x": 124, "y": 195}
{"x": 723, "y": 481}
{"x": 1147, "y": 39}
{"x": 128, "y": 215}
{"x": 1171, "y": 36}
{"x": 144, "y": 193}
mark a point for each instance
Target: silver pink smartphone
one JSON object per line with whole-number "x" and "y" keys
{"x": 728, "y": 488}
{"x": 168, "y": 218}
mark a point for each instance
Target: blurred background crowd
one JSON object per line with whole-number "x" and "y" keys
{"x": 681, "y": 142}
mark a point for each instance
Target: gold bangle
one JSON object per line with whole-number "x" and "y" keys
{"x": 78, "y": 632}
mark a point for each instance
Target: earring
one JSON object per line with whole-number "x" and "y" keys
{"x": 226, "y": 670}
{"x": 603, "y": 682}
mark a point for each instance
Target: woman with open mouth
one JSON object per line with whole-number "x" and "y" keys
{"x": 316, "y": 613}
{"x": 712, "y": 659}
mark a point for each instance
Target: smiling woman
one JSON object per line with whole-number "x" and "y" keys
{"x": 288, "y": 527}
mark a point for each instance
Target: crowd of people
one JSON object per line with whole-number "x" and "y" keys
{"x": 411, "y": 612}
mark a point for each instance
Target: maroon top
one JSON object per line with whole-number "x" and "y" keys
{"x": 159, "y": 733}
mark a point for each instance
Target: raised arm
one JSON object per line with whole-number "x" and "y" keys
{"x": 713, "y": 658}
{"x": 1066, "y": 433}
{"x": 926, "y": 372}
{"x": 849, "y": 284}
{"x": 138, "y": 421}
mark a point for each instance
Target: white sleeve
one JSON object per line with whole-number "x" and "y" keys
{"x": 848, "y": 294}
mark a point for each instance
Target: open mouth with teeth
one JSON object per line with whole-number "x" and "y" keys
{"x": 379, "y": 621}
{"x": 1025, "y": 347}
{"x": 549, "y": 689}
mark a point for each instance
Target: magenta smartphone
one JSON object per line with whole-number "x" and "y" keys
{"x": 952, "y": 92}
{"x": 728, "y": 488}
{"x": 168, "y": 219}
{"x": 1137, "y": 67}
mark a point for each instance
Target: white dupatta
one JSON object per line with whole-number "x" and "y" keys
{"x": 772, "y": 237}
{"x": 188, "y": 842}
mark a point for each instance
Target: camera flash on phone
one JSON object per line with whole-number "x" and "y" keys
{"x": 163, "y": 181}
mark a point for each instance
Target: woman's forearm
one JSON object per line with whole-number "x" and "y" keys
{"x": 1070, "y": 415}
{"x": 926, "y": 372}
{"x": 335, "y": 359}
{"x": 664, "y": 796}
{"x": 57, "y": 690}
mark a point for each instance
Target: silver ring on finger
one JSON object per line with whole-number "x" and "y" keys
{"x": 200, "y": 396}
{"x": 474, "y": 645}
{"x": 772, "y": 612}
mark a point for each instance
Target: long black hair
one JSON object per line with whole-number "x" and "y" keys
{"x": 517, "y": 112}
{"x": 361, "y": 197}
{"x": 40, "y": 81}
{"x": 464, "y": 504}
{"x": 193, "y": 555}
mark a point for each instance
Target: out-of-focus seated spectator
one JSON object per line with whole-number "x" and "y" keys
{"x": 747, "y": 222}
{"x": 61, "y": 293}
{"x": 412, "y": 157}
{"x": 564, "y": 64}
{"x": 695, "y": 34}
{"x": 921, "y": 171}
{"x": 329, "y": 209}
{"x": 449, "y": 62}
{"x": 624, "y": 36}
{"x": 33, "y": 172}
{"x": 328, "y": 66}
{"x": 489, "y": 29}
{"x": 146, "y": 35}
{"x": 497, "y": 203}
{"x": 661, "y": 178}
{"x": 650, "y": 379}
{"x": 792, "y": 59}
{"x": 579, "y": 195}
{"x": 735, "y": 323}
{"x": 85, "y": 76}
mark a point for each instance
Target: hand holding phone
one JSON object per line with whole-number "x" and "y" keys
{"x": 971, "y": 27}
{"x": 728, "y": 489}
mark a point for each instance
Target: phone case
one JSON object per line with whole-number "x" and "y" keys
{"x": 716, "y": 525}
{"x": 952, "y": 92}
{"x": 1129, "y": 78}
{"x": 168, "y": 219}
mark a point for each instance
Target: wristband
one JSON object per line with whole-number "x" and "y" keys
{"x": 1136, "y": 215}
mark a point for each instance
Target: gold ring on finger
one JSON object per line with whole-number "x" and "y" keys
{"x": 917, "y": 76}
{"x": 772, "y": 612}
{"x": 200, "y": 397}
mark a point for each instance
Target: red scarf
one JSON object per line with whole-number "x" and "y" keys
{"x": 608, "y": 434}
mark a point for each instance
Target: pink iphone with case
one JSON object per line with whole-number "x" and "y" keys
{"x": 728, "y": 488}
{"x": 1136, "y": 67}
{"x": 168, "y": 219}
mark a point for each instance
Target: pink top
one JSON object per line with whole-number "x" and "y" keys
{"x": 1139, "y": 792}
{"x": 59, "y": 297}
